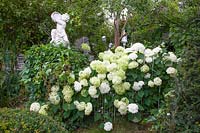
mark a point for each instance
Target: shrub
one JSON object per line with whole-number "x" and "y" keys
{"x": 128, "y": 81}
{"x": 15, "y": 120}
{"x": 181, "y": 113}
{"x": 47, "y": 65}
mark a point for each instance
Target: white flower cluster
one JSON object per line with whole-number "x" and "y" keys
{"x": 104, "y": 87}
{"x": 133, "y": 65}
{"x": 85, "y": 73}
{"x": 144, "y": 68}
{"x": 137, "y": 47}
{"x": 138, "y": 85}
{"x": 67, "y": 92}
{"x": 170, "y": 56}
{"x": 43, "y": 110}
{"x": 112, "y": 66}
{"x": 55, "y": 88}
{"x": 83, "y": 106}
{"x": 98, "y": 66}
{"x": 133, "y": 108}
{"x": 151, "y": 83}
{"x": 120, "y": 89}
{"x": 156, "y": 82}
{"x": 133, "y": 56}
{"x": 95, "y": 81}
{"x": 147, "y": 76}
{"x": 35, "y": 107}
{"x": 171, "y": 71}
{"x": 124, "y": 106}
{"x": 53, "y": 96}
{"x": 92, "y": 91}
{"x": 108, "y": 126}
{"x": 83, "y": 76}
{"x": 77, "y": 86}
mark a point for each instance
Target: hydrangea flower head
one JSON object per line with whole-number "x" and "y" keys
{"x": 55, "y": 88}
{"x": 133, "y": 65}
{"x": 148, "y": 52}
{"x": 54, "y": 98}
{"x": 88, "y": 108}
{"x": 43, "y": 110}
{"x": 171, "y": 71}
{"x": 150, "y": 83}
{"x": 77, "y": 86}
{"x": 84, "y": 82}
{"x": 119, "y": 49}
{"x": 92, "y": 91}
{"x": 144, "y": 68}
{"x": 104, "y": 87}
{"x": 138, "y": 47}
{"x": 119, "y": 89}
{"x": 133, "y": 108}
{"x": 35, "y": 107}
{"x": 108, "y": 126}
{"x": 95, "y": 81}
{"x": 157, "y": 81}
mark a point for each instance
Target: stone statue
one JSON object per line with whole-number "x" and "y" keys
{"x": 58, "y": 35}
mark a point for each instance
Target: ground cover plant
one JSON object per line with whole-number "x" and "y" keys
{"x": 17, "y": 120}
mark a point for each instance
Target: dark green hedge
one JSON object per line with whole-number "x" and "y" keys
{"x": 15, "y": 120}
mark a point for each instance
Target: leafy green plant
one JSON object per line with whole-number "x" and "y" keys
{"x": 128, "y": 81}
{"x": 10, "y": 80}
{"x": 181, "y": 112}
{"x": 118, "y": 80}
{"x": 15, "y": 120}
{"x": 47, "y": 65}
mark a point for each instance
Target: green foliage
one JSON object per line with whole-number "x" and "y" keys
{"x": 152, "y": 22}
{"x": 182, "y": 104}
{"x": 28, "y": 22}
{"x": 25, "y": 22}
{"x": 9, "y": 88}
{"x": 9, "y": 79}
{"x": 70, "y": 103}
{"x": 47, "y": 65}
{"x": 15, "y": 120}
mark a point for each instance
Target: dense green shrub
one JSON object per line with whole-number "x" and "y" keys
{"x": 47, "y": 65}
{"x": 181, "y": 113}
{"x": 15, "y": 120}
{"x": 107, "y": 87}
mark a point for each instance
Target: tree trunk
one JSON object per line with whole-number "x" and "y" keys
{"x": 116, "y": 30}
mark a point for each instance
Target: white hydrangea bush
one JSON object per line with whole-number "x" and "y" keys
{"x": 126, "y": 81}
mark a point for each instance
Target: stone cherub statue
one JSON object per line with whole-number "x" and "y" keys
{"x": 58, "y": 35}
